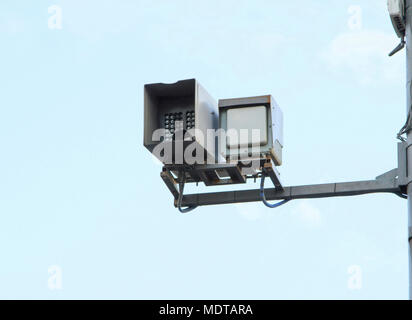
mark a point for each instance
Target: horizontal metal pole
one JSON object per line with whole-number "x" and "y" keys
{"x": 299, "y": 192}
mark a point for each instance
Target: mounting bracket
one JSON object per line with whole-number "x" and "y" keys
{"x": 393, "y": 181}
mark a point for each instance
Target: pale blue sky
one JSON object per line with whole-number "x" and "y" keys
{"x": 79, "y": 190}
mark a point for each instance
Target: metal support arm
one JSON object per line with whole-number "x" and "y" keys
{"x": 299, "y": 192}
{"x": 393, "y": 181}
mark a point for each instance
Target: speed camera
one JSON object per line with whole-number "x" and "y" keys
{"x": 254, "y": 128}
{"x": 179, "y": 114}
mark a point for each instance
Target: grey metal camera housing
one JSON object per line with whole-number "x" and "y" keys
{"x": 262, "y": 113}
{"x": 189, "y": 103}
{"x": 396, "y": 10}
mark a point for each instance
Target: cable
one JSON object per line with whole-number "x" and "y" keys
{"x": 263, "y": 197}
{"x": 179, "y": 200}
{"x": 407, "y": 126}
{"x": 405, "y": 129}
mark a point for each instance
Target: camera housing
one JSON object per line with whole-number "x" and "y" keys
{"x": 185, "y": 110}
{"x": 253, "y": 114}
